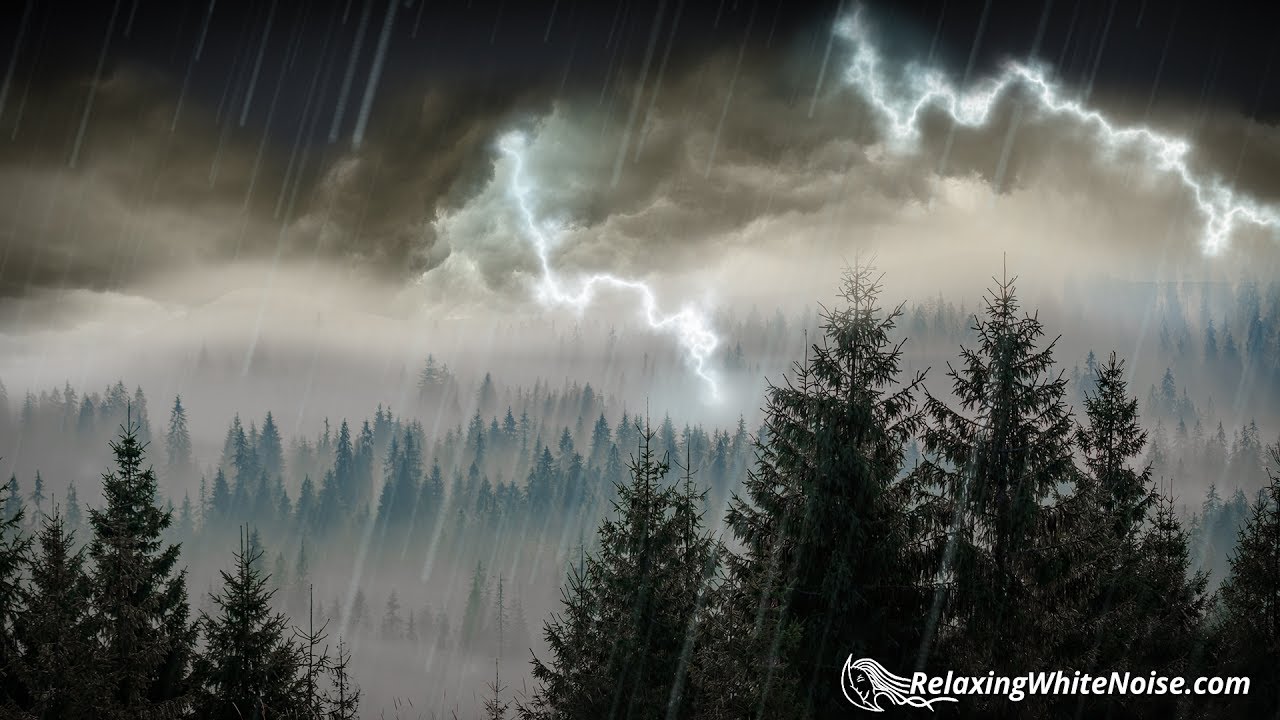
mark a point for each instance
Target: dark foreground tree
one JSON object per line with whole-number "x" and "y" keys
{"x": 1131, "y": 602}
{"x": 826, "y": 567}
{"x": 139, "y": 594}
{"x": 251, "y": 665}
{"x": 14, "y": 552}
{"x": 1246, "y": 633}
{"x": 59, "y": 666}
{"x": 344, "y": 694}
{"x": 997, "y": 467}
{"x": 621, "y": 646}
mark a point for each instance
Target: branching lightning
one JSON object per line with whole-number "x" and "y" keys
{"x": 903, "y": 103}
{"x": 689, "y": 325}
{"x": 902, "y": 100}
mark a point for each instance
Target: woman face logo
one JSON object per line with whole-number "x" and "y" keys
{"x": 858, "y": 687}
{"x": 865, "y": 681}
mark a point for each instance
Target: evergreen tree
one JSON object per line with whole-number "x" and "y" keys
{"x": 251, "y": 664}
{"x": 74, "y": 517}
{"x": 220, "y": 498}
{"x": 270, "y": 451}
{"x": 15, "y": 548}
{"x": 177, "y": 440}
{"x": 617, "y": 648}
{"x": 186, "y": 519}
{"x": 300, "y": 596}
{"x": 1246, "y": 633}
{"x": 13, "y": 499}
{"x": 139, "y": 595}
{"x": 314, "y": 656}
{"x": 344, "y": 696}
{"x": 1135, "y": 606}
{"x": 1109, "y": 444}
{"x": 990, "y": 491}
{"x": 392, "y": 623}
{"x": 59, "y": 666}
{"x": 359, "y": 619}
{"x": 824, "y": 526}
{"x": 37, "y": 495}
{"x": 473, "y": 617}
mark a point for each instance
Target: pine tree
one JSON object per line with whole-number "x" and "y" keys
{"x": 359, "y": 619}
{"x": 186, "y": 519}
{"x": 300, "y": 596}
{"x": 220, "y": 498}
{"x": 824, "y": 569}
{"x": 344, "y": 696}
{"x": 270, "y": 450}
{"x": 495, "y": 708}
{"x": 1109, "y": 444}
{"x": 139, "y": 595}
{"x": 74, "y": 517}
{"x": 37, "y": 495}
{"x": 1132, "y": 603}
{"x": 314, "y": 656}
{"x": 990, "y": 494}
{"x": 628, "y": 608}
{"x": 251, "y": 664}
{"x": 473, "y": 618}
{"x": 15, "y": 549}
{"x": 59, "y": 666}
{"x": 177, "y": 441}
{"x": 1246, "y": 632}
{"x": 392, "y": 623}
{"x": 13, "y": 499}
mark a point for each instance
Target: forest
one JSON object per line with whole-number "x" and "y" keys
{"x": 539, "y": 552}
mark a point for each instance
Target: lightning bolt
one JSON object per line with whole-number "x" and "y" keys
{"x": 689, "y": 325}
{"x": 903, "y": 103}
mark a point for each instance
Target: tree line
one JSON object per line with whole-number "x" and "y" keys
{"x": 103, "y": 629}
{"x": 1021, "y": 538}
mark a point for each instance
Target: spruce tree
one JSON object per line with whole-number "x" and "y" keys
{"x": 825, "y": 568}
{"x": 139, "y": 594}
{"x": 59, "y": 665}
{"x": 37, "y": 495}
{"x": 314, "y": 656}
{"x": 177, "y": 440}
{"x": 13, "y": 499}
{"x": 617, "y": 645}
{"x": 344, "y": 694}
{"x": 392, "y": 623}
{"x": 73, "y": 508}
{"x": 1246, "y": 632}
{"x": 270, "y": 451}
{"x": 251, "y": 664}
{"x": 990, "y": 493}
{"x": 473, "y": 618}
{"x": 1134, "y": 604}
{"x": 15, "y": 548}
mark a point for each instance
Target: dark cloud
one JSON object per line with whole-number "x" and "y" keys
{"x": 719, "y": 136}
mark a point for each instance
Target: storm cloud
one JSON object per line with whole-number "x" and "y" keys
{"x": 722, "y": 155}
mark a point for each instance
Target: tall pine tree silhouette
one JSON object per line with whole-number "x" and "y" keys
{"x": 251, "y": 666}
{"x": 139, "y": 594}
{"x": 824, "y": 568}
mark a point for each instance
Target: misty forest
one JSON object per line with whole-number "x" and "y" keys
{"x": 498, "y": 551}
{"x": 553, "y": 360}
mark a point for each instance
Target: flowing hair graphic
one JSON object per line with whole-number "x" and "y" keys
{"x": 864, "y": 681}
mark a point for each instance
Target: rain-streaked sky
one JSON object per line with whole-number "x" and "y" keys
{"x": 158, "y": 158}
